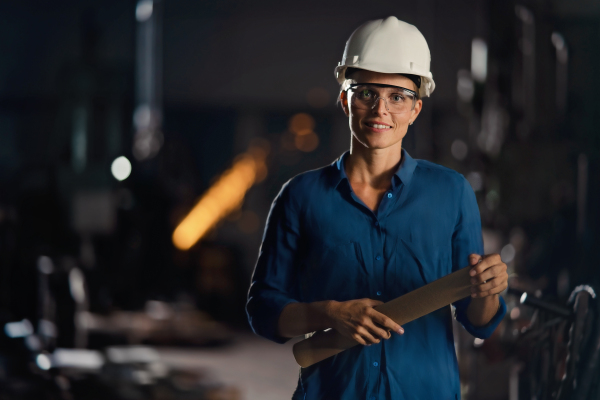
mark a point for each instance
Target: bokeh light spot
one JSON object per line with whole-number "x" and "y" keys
{"x": 121, "y": 168}
{"x": 43, "y": 362}
{"x": 476, "y": 180}
{"x": 459, "y": 149}
{"x": 515, "y": 313}
{"x": 144, "y": 9}
{"x": 301, "y": 122}
{"x": 508, "y": 253}
{"x": 307, "y": 142}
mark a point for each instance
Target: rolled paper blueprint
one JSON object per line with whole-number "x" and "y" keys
{"x": 401, "y": 310}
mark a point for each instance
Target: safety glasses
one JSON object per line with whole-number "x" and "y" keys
{"x": 397, "y": 99}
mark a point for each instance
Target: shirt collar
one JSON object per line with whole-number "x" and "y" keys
{"x": 404, "y": 172}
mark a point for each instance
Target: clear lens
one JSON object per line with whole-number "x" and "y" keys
{"x": 397, "y": 100}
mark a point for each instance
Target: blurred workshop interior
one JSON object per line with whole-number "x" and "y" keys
{"x": 142, "y": 143}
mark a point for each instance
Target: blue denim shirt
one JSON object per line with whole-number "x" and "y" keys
{"x": 322, "y": 243}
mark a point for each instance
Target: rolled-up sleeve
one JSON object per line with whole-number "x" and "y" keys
{"x": 466, "y": 240}
{"x": 273, "y": 282}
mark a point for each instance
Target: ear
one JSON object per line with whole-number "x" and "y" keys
{"x": 344, "y": 102}
{"x": 416, "y": 111}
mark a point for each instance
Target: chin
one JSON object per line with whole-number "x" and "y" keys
{"x": 376, "y": 143}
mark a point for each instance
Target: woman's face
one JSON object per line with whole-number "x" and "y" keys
{"x": 377, "y": 128}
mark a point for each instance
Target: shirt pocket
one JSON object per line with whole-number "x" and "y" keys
{"x": 333, "y": 271}
{"x": 416, "y": 265}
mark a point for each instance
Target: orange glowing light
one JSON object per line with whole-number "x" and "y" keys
{"x": 300, "y": 122}
{"x": 306, "y": 142}
{"x": 304, "y": 138}
{"x": 226, "y": 195}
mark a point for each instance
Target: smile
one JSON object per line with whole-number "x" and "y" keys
{"x": 377, "y": 126}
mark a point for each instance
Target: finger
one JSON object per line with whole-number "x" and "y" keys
{"x": 488, "y": 274}
{"x": 359, "y": 339}
{"x": 483, "y": 265}
{"x": 367, "y": 336}
{"x": 378, "y": 332}
{"x": 386, "y": 322}
{"x": 474, "y": 259}
{"x": 499, "y": 287}
{"x": 372, "y": 303}
{"x": 484, "y": 287}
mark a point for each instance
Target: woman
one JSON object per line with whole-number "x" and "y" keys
{"x": 370, "y": 227}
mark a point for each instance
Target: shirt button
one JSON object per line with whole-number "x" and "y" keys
{"x": 378, "y": 258}
{"x": 375, "y": 364}
{"x": 389, "y": 195}
{"x": 378, "y": 293}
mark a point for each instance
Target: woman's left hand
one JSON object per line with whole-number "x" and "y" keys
{"x": 488, "y": 275}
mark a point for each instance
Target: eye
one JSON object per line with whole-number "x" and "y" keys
{"x": 397, "y": 98}
{"x": 365, "y": 93}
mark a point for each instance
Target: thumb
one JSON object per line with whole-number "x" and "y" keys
{"x": 474, "y": 259}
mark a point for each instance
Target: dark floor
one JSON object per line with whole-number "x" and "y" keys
{"x": 260, "y": 369}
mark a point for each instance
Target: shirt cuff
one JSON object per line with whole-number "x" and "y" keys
{"x": 485, "y": 331}
{"x": 264, "y": 321}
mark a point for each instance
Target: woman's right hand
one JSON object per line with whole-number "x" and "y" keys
{"x": 357, "y": 319}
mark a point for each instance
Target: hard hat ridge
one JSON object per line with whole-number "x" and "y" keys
{"x": 388, "y": 46}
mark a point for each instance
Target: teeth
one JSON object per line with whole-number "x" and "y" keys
{"x": 379, "y": 126}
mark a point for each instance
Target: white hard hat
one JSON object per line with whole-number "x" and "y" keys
{"x": 389, "y": 46}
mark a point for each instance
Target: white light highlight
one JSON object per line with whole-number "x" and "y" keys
{"x": 132, "y": 354}
{"x": 18, "y": 329}
{"x": 77, "y": 358}
{"x": 479, "y": 57}
{"x": 43, "y": 362}
{"x": 562, "y": 54}
{"x": 478, "y": 342}
{"x": 144, "y": 9}
{"x": 121, "y": 168}
{"x": 523, "y": 298}
{"x": 77, "y": 285}
{"x": 508, "y": 253}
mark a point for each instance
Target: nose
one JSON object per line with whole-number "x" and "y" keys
{"x": 380, "y": 106}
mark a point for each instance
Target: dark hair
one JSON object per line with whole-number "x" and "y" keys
{"x": 415, "y": 78}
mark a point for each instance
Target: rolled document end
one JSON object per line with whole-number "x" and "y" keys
{"x": 320, "y": 346}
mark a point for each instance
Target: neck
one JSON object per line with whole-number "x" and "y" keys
{"x": 373, "y": 167}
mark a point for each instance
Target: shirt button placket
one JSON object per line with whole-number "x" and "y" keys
{"x": 375, "y": 365}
